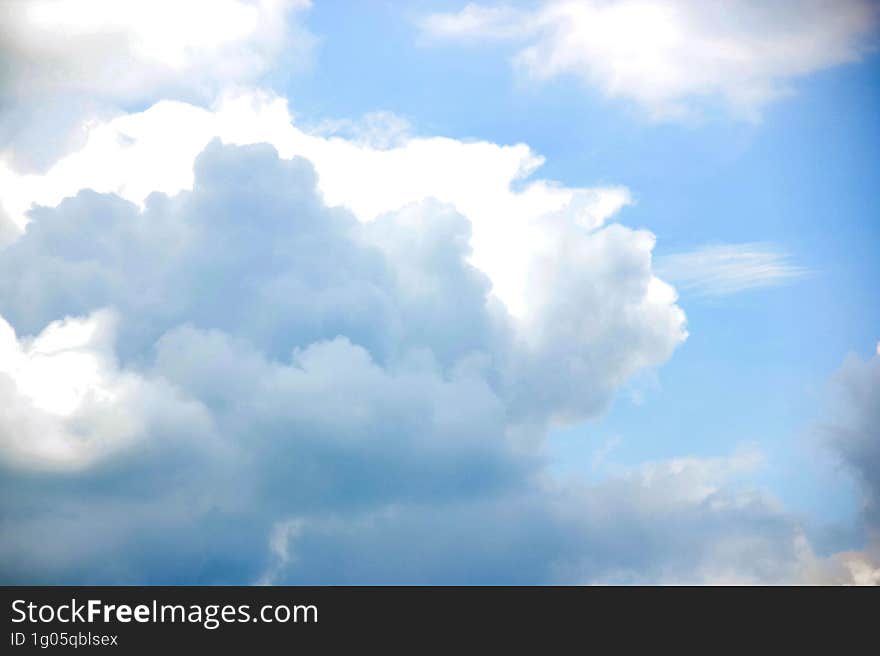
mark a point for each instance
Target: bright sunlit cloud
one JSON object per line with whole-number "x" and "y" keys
{"x": 671, "y": 57}
{"x": 136, "y": 154}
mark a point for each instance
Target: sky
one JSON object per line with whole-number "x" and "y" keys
{"x": 433, "y": 292}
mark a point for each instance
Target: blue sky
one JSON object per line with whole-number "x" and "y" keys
{"x": 374, "y": 333}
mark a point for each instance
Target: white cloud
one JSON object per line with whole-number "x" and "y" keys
{"x": 670, "y": 57}
{"x": 593, "y": 309}
{"x": 66, "y": 405}
{"x": 721, "y": 270}
{"x": 857, "y": 567}
{"x": 8, "y": 229}
{"x": 67, "y": 64}
{"x": 511, "y": 215}
{"x": 130, "y": 49}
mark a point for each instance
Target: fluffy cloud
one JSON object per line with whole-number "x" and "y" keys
{"x": 400, "y": 281}
{"x": 327, "y": 467}
{"x": 680, "y": 521}
{"x": 136, "y": 154}
{"x": 67, "y": 405}
{"x": 671, "y": 56}
{"x": 294, "y": 360}
{"x": 282, "y": 392}
{"x": 304, "y": 358}
{"x": 67, "y": 63}
{"x": 78, "y": 46}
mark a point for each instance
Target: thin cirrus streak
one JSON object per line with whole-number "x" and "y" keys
{"x": 721, "y": 270}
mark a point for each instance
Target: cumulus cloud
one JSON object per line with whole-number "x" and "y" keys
{"x": 67, "y": 63}
{"x": 233, "y": 350}
{"x": 267, "y": 357}
{"x": 136, "y": 154}
{"x": 671, "y": 57}
{"x": 400, "y": 280}
{"x": 720, "y": 270}
{"x": 283, "y": 391}
{"x": 679, "y": 521}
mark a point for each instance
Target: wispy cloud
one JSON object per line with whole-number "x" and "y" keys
{"x": 721, "y": 270}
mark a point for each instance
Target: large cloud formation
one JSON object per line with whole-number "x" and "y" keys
{"x": 247, "y": 384}
{"x": 234, "y": 351}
